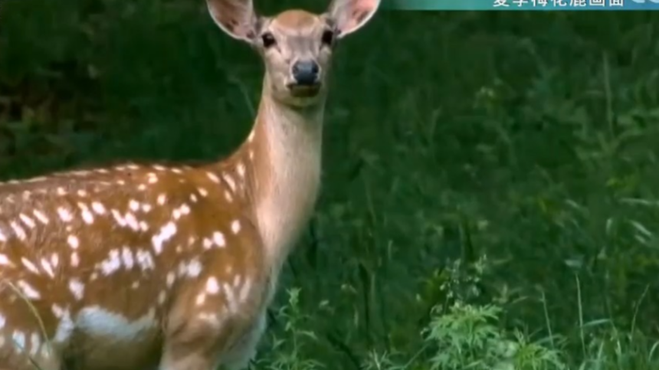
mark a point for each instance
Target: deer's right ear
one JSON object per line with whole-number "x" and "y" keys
{"x": 235, "y": 17}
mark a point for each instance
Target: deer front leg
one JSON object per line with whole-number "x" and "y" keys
{"x": 241, "y": 354}
{"x": 192, "y": 345}
{"x": 202, "y": 327}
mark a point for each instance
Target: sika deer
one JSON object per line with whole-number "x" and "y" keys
{"x": 172, "y": 267}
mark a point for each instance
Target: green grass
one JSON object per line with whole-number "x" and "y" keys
{"x": 490, "y": 184}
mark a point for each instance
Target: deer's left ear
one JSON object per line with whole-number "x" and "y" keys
{"x": 351, "y": 15}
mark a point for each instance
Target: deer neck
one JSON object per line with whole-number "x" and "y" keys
{"x": 284, "y": 172}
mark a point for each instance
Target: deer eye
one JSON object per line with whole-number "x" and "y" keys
{"x": 328, "y": 37}
{"x": 268, "y": 40}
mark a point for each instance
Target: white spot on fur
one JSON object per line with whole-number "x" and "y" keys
{"x": 73, "y": 241}
{"x": 166, "y": 233}
{"x": 230, "y": 181}
{"x": 4, "y": 260}
{"x": 111, "y": 264}
{"x": 207, "y": 243}
{"x": 212, "y": 286}
{"x": 87, "y": 216}
{"x": 20, "y": 233}
{"x": 41, "y": 217}
{"x": 171, "y": 277}
{"x": 117, "y": 217}
{"x": 218, "y": 239}
{"x": 131, "y": 221}
{"x": 133, "y": 205}
{"x": 144, "y": 259}
{"x": 75, "y": 260}
{"x": 28, "y": 290}
{"x": 235, "y": 226}
{"x": 127, "y": 257}
{"x": 54, "y": 259}
{"x": 193, "y": 268}
{"x": 29, "y": 265}
{"x": 46, "y": 266}
{"x": 98, "y": 207}
{"x": 64, "y": 214}
{"x": 27, "y": 221}
{"x": 213, "y": 177}
{"x": 77, "y": 288}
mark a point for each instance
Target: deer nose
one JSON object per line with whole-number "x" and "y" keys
{"x": 305, "y": 72}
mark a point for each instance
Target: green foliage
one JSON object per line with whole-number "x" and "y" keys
{"x": 529, "y": 138}
{"x": 288, "y": 353}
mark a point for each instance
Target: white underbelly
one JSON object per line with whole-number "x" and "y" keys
{"x": 108, "y": 340}
{"x": 99, "y": 323}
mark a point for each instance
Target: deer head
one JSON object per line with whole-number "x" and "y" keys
{"x": 295, "y": 45}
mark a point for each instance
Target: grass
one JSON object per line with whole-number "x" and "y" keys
{"x": 490, "y": 185}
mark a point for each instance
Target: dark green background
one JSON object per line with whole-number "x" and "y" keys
{"x": 529, "y": 138}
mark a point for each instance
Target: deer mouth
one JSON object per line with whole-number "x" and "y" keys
{"x": 304, "y": 90}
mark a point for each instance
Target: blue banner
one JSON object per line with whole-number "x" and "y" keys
{"x": 528, "y": 5}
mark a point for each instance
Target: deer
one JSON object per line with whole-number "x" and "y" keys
{"x": 173, "y": 266}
